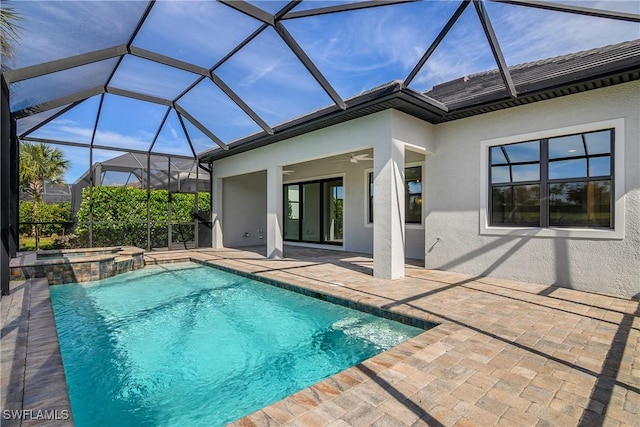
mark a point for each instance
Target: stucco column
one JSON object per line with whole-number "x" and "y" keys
{"x": 274, "y": 212}
{"x": 216, "y": 212}
{"x": 388, "y": 210}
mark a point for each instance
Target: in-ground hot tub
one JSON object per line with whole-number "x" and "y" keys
{"x": 75, "y": 253}
{"x": 76, "y": 265}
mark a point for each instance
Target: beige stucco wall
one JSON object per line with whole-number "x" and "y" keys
{"x": 308, "y": 154}
{"x": 245, "y": 202}
{"x": 453, "y": 176}
{"x": 452, "y": 237}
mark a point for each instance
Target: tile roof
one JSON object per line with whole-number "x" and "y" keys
{"x": 527, "y": 77}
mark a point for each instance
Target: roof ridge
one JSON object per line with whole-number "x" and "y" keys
{"x": 580, "y": 53}
{"x": 635, "y": 43}
{"x": 389, "y": 84}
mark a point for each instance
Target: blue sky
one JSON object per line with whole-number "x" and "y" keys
{"x": 356, "y": 51}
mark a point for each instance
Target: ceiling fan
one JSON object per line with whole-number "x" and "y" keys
{"x": 355, "y": 158}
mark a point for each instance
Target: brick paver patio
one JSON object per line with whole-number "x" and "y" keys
{"x": 504, "y": 352}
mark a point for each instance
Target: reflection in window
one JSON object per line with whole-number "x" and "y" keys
{"x": 370, "y": 198}
{"x": 515, "y": 162}
{"x": 566, "y": 146}
{"x": 516, "y": 204}
{"x": 580, "y": 204}
{"x": 598, "y": 142}
{"x": 412, "y": 199}
{"x": 314, "y": 211}
{"x": 413, "y": 196}
{"x": 600, "y": 166}
{"x": 292, "y": 212}
{"x": 522, "y": 152}
{"x": 522, "y": 173}
{"x": 575, "y": 191}
{"x": 574, "y": 168}
{"x": 333, "y": 211}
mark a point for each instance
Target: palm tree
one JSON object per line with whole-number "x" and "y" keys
{"x": 40, "y": 163}
{"x": 8, "y": 33}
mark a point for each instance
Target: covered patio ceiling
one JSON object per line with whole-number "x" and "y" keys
{"x": 196, "y": 78}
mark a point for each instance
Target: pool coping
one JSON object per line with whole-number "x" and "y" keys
{"x": 35, "y": 391}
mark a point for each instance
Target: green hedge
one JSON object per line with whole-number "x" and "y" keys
{"x": 45, "y": 212}
{"x": 120, "y": 216}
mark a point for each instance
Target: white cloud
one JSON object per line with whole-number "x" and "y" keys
{"x": 201, "y": 32}
{"x": 114, "y": 139}
{"x": 366, "y": 40}
{"x": 147, "y": 77}
{"x": 87, "y": 26}
{"x": 173, "y": 131}
{"x": 141, "y": 141}
{"x": 267, "y": 61}
{"x": 529, "y": 34}
{"x": 525, "y": 34}
{"x": 75, "y": 131}
{"x": 258, "y": 73}
{"x": 65, "y": 122}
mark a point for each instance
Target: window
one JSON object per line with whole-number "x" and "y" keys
{"x": 412, "y": 197}
{"x": 564, "y": 181}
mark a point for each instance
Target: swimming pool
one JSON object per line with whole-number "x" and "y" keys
{"x": 186, "y": 344}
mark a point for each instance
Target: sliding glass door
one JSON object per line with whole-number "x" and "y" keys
{"x": 292, "y": 212}
{"x": 310, "y": 231}
{"x": 313, "y": 211}
{"x": 332, "y": 211}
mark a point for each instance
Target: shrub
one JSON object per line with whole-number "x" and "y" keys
{"x": 120, "y": 216}
{"x": 57, "y": 213}
{"x": 64, "y": 242}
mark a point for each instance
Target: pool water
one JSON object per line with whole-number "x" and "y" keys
{"x": 186, "y": 345}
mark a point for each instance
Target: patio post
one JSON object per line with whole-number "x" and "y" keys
{"x": 274, "y": 212}
{"x": 388, "y": 209}
{"x": 216, "y": 212}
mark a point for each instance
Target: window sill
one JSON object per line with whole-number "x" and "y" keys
{"x": 331, "y": 247}
{"x": 407, "y": 226}
{"x": 568, "y": 233}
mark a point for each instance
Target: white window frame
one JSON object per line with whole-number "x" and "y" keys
{"x": 617, "y": 233}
